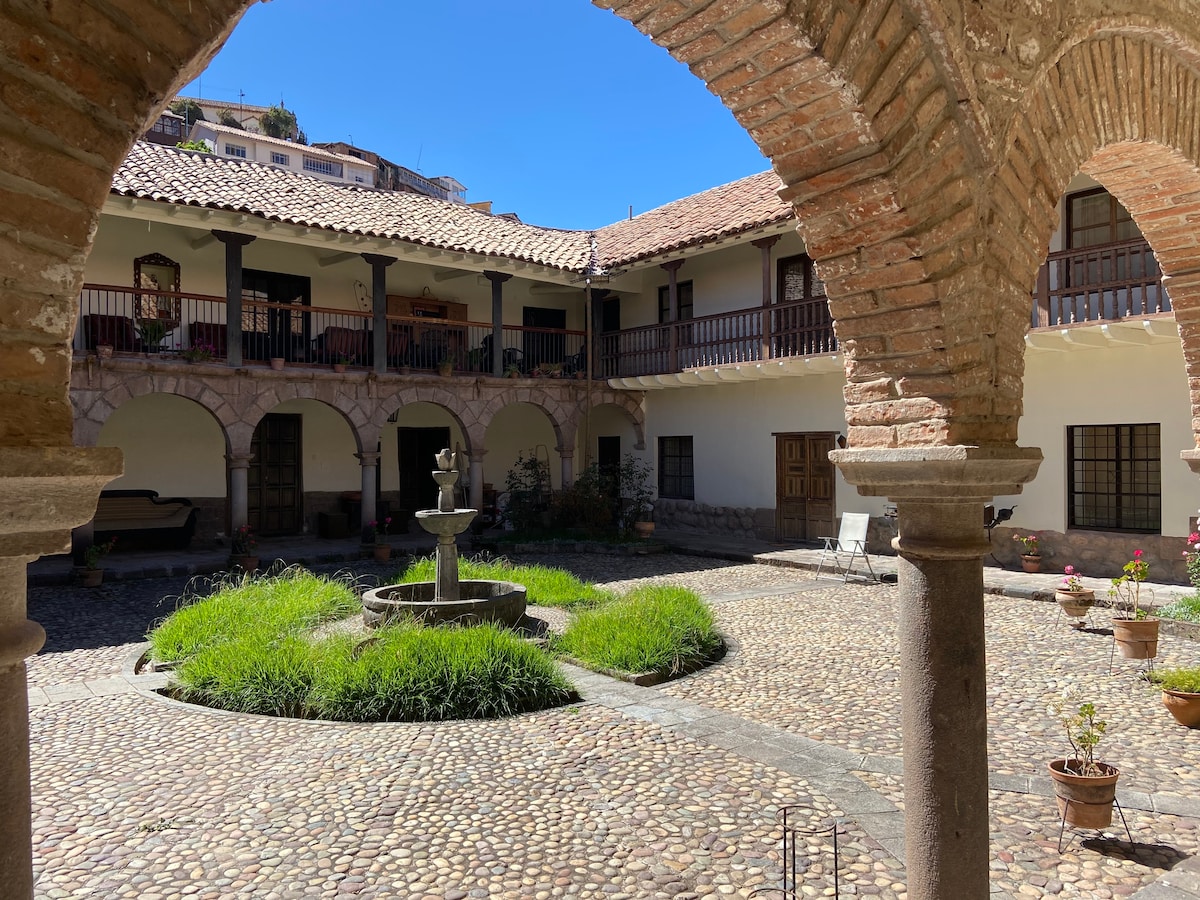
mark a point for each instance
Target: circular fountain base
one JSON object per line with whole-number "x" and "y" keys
{"x": 501, "y": 602}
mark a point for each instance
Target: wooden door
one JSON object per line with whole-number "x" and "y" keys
{"x": 275, "y": 481}
{"x": 415, "y": 451}
{"x": 538, "y": 346}
{"x": 804, "y": 486}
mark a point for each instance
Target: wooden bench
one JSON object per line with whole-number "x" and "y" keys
{"x": 143, "y": 518}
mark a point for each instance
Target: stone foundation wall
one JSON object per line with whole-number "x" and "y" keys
{"x": 210, "y": 520}
{"x": 1099, "y": 554}
{"x": 700, "y": 518}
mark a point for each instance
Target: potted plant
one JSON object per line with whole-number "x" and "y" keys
{"x": 512, "y": 370}
{"x": 1134, "y": 629}
{"x": 1074, "y": 599}
{"x": 1180, "y": 693}
{"x": 151, "y": 333}
{"x": 383, "y": 550}
{"x": 277, "y": 363}
{"x": 200, "y": 352}
{"x": 1031, "y": 559}
{"x": 445, "y": 366}
{"x": 637, "y": 497}
{"x": 91, "y": 575}
{"x": 340, "y": 362}
{"x": 104, "y": 351}
{"x": 1085, "y": 789}
{"x": 244, "y": 549}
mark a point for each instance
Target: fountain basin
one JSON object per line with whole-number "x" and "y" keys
{"x": 501, "y": 602}
{"x": 445, "y": 523}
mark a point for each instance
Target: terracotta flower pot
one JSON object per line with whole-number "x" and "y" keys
{"x": 383, "y": 552}
{"x": 1075, "y": 603}
{"x": 246, "y": 563}
{"x": 1031, "y": 563}
{"x": 339, "y": 367}
{"x": 643, "y": 529}
{"x": 1136, "y": 638}
{"x": 91, "y": 577}
{"x": 1084, "y": 801}
{"x": 1185, "y": 707}
{"x": 277, "y": 363}
{"x": 104, "y": 351}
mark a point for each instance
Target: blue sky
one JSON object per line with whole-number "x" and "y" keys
{"x": 553, "y": 109}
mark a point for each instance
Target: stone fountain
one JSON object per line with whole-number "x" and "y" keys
{"x": 446, "y": 600}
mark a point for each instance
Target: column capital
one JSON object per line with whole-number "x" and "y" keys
{"x": 565, "y": 452}
{"x": 376, "y": 259}
{"x": 496, "y": 277}
{"x": 475, "y": 453}
{"x": 232, "y": 237}
{"x": 947, "y": 474}
{"x": 368, "y": 458}
{"x": 766, "y": 243}
{"x": 672, "y": 265}
{"x": 1192, "y": 458}
{"x": 234, "y": 461}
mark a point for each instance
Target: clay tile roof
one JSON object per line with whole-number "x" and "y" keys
{"x": 167, "y": 174}
{"x": 726, "y": 210}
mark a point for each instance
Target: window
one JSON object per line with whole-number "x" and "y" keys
{"x": 322, "y": 166}
{"x": 1095, "y": 217}
{"x": 685, "y": 302}
{"x": 235, "y": 150}
{"x": 675, "y": 480}
{"x": 280, "y": 159}
{"x": 1114, "y": 478}
{"x": 798, "y": 279}
{"x": 800, "y": 322}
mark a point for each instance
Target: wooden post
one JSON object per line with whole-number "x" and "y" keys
{"x": 379, "y": 266}
{"x": 672, "y": 268}
{"x": 234, "y": 243}
{"x": 765, "y": 245}
{"x": 497, "y": 279}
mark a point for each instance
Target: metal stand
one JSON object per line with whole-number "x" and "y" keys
{"x": 795, "y": 823}
{"x": 1112, "y": 653}
{"x": 1079, "y": 622}
{"x": 1063, "y": 825}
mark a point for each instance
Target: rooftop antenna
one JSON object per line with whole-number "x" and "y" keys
{"x": 420, "y": 150}
{"x": 241, "y": 107}
{"x": 631, "y": 212}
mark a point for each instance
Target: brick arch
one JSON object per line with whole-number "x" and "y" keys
{"x": 93, "y": 408}
{"x": 452, "y": 403}
{"x": 1125, "y": 131}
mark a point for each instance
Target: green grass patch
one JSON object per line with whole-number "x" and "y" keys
{"x": 249, "y": 648}
{"x": 1186, "y": 609}
{"x": 544, "y": 586}
{"x": 658, "y": 628}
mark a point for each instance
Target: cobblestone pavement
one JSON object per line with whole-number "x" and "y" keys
{"x": 634, "y": 793}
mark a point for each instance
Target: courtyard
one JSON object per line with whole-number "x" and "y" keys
{"x": 633, "y": 793}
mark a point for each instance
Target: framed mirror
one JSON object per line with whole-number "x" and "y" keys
{"x": 156, "y": 272}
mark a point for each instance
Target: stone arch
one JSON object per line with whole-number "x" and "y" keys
{"x": 633, "y": 410}
{"x": 1135, "y": 139}
{"x": 556, "y": 411}
{"x": 345, "y": 405}
{"x": 452, "y": 403}
{"x": 94, "y": 407}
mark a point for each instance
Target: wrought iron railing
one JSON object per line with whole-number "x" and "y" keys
{"x": 1090, "y": 284}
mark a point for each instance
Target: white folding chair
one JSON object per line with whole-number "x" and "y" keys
{"x": 851, "y": 544}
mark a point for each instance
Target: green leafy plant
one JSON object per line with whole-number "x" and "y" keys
{"x": 1084, "y": 732}
{"x": 152, "y": 331}
{"x": 1186, "y": 680}
{"x": 189, "y": 110}
{"x": 279, "y": 122}
{"x": 1029, "y": 542}
{"x": 229, "y": 120}
{"x": 1126, "y": 590}
{"x": 637, "y": 496}
{"x": 528, "y": 484}
{"x": 202, "y": 146}
{"x": 658, "y": 628}
{"x": 93, "y": 554}
{"x": 1185, "y": 609}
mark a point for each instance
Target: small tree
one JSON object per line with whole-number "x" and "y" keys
{"x": 229, "y": 120}
{"x": 637, "y": 496}
{"x": 188, "y": 109}
{"x": 279, "y": 122}
{"x": 202, "y": 146}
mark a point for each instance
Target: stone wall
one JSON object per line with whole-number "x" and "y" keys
{"x": 1099, "y": 554}
{"x": 700, "y": 518}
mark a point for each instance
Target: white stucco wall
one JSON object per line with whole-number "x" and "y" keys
{"x": 171, "y": 445}
{"x": 732, "y": 429}
{"x": 516, "y": 429}
{"x": 327, "y": 445}
{"x": 1104, "y": 387}
{"x": 607, "y": 420}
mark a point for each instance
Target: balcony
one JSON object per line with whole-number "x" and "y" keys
{"x": 1099, "y": 296}
{"x": 731, "y": 346}
{"x": 135, "y": 322}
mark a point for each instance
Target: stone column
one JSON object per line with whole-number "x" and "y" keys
{"x": 370, "y": 464}
{"x": 940, "y": 493}
{"x": 476, "y": 469}
{"x": 566, "y": 457}
{"x": 497, "y": 279}
{"x": 379, "y": 266}
{"x": 239, "y": 491}
{"x": 233, "y": 293}
{"x": 45, "y": 492}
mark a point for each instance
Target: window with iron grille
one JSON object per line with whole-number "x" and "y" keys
{"x": 1114, "y": 480}
{"x": 280, "y": 159}
{"x": 235, "y": 150}
{"x": 675, "y": 470}
{"x": 322, "y": 166}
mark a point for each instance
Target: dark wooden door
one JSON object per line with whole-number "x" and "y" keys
{"x": 608, "y": 462}
{"x": 276, "y": 487}
{"x": 415, "y": 451}
{"x": 538, "y": 346}
{"x": 804, "y": 486}
{"x": 275, "y": 331}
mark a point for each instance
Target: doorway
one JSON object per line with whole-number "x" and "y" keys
{"x": 540, "y": 347}
{"x": 275, "y": 331}
{"x": 608, "y": 463}
{"x": 804, "y": 486}
{"x": 415, "y": 452}
{"x": 275, "y": 482}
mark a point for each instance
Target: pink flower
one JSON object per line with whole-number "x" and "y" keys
{"x": 1137, "y": 554}
{"x": 1070, "y": 570}
{"x": 1194, "y": 537}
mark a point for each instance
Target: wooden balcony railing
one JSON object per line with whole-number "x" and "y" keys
{"x": 137, "y": 321}
{"x": 799, "y": 328}
{"x": 1107, "y": 281}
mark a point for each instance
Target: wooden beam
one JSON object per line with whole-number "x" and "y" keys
{"x": 334, "y": 258}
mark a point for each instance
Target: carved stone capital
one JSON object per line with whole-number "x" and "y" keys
{"x": 47, "y": 491}
{"x": 958, "y": 473}
{"x": 1192, "y": 458}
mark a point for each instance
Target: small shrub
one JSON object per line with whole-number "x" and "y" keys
{"x": 657, "y": 628}
{"x": 1186, "y": 609}
{"x": 1186, "y": 680}
{"x": 544, "y": 586}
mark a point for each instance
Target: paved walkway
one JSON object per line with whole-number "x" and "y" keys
{"x": 636, "y": 792}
